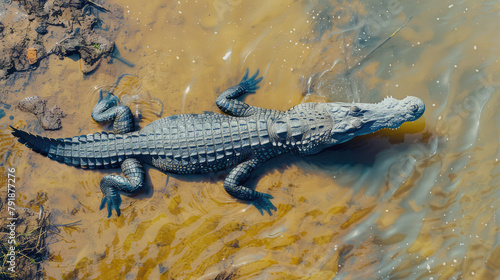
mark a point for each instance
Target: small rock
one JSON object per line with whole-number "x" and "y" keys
{"x": 48, "y": 119}
{"x": 33, "y": 104}
{"x": 32, "y": 57}
{"x": 42, "y": 29}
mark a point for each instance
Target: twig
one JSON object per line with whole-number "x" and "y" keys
{"x": 352, "y": 68}
{"x": 97, "y": 6}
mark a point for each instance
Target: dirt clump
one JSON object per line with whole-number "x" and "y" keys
{"x": 23, "y": 258}
{"x": 49, "y": 119}
{"x": 31, "y": 30}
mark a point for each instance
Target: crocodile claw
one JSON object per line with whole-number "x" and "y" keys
{"x": 263, "y": 203}
{"x": 100, "y": 96}
{"x": 250, "y": 85}
{"x": 113, "y": 202}
{"x": 109, "y": 101}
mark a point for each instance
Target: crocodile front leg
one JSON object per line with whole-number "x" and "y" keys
{"x": 239, "y": 174}
{"x": 107, "y": 109}
{"x": 227, "y": 103}
{"x": 130, "y": 184}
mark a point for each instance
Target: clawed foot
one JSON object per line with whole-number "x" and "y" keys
{"x": 113, "y": 202}
{"x": 250, "y": 85}
{"x": 109, "y": 101}
{"x": 263, "y": 203}
{"x": 99, "y": 113}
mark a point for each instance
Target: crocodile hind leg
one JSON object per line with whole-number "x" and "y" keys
{"x": 227, "y": 103}
{"x": 111, "y": 185}
{"x": 239, "y": 174}
{"x": 107, "y": 109}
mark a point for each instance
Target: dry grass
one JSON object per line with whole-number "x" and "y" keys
{"x": 31, "y": 243}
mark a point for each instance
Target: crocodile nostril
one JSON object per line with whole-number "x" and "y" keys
{"x": 413, "y": 108}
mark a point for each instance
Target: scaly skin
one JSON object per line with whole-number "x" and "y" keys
{"x": 245, "y": 137}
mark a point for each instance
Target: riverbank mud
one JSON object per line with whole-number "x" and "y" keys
{"x": 32, "y": 30}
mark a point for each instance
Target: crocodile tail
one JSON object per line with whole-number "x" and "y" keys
{"x": 92, "y": 151}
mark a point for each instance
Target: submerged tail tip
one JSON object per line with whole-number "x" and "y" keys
{"x": 16, "y": 132}
{"x": 21, "y": 135}
{"x": 37, "y": 143}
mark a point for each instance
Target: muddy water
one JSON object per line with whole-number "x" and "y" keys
{"x": 420, "y": 202}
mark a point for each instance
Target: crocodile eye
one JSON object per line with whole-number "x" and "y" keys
{"x": 413, "y": 108}
{"x": 354, "y": 109}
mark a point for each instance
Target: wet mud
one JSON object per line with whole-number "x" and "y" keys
{"x": 419, "y": 202}
{"x": 32, "y": 30}
{"x": 49, "y": 119}
{"x": 28, "y": 232}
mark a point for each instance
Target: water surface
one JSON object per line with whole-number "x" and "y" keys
{"x": 420, "y": 202}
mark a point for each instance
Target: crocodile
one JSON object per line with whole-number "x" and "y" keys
{"x": 244, "y": 137}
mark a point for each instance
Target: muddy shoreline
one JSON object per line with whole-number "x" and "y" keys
{"x": 30, "y": 31}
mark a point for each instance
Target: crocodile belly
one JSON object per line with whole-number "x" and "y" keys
{"x": 166, "y": 164}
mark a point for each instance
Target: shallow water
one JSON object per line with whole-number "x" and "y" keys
{"x": 420, "y": 202}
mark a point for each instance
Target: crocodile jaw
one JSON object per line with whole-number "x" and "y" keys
{"x": 355, "y": 119}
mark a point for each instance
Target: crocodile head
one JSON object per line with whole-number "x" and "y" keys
{"x": 355, "y": 119}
